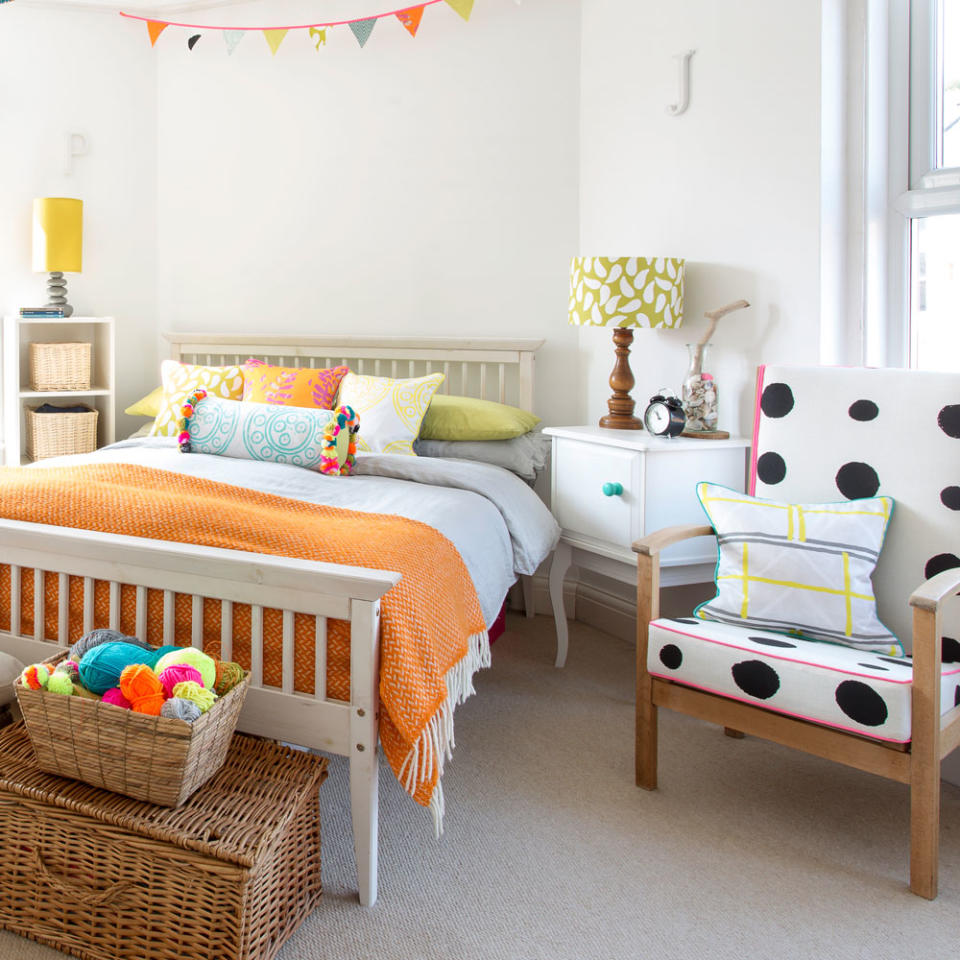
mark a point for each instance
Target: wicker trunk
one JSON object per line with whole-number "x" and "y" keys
{"x": 228, "y": 876}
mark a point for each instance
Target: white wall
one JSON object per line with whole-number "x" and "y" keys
{"x": 421, "y": 186}
{"x": 63, "y": 71}
{"x": 732, "y": 185}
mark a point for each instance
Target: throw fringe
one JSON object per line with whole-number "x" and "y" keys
{"x": 435, "y": 744}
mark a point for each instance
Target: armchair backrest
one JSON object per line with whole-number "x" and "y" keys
{"x": 839, "y": 433}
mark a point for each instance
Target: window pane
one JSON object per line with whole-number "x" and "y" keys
{"x": 935, "y": 293}
{"x": 950, "y": 94}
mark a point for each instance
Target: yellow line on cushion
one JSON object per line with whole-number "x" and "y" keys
{"x": 846, "y": 589}
{"x": 803, "y": 525}
{"x": 746, "y": 580}
{"x": 796, "y": 586}
{"x": 790, "y": 523}
{"x": 853, "y": 513}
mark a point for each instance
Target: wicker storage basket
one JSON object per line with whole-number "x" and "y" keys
{"x": 228, "y": 876}
{"x": 157, "y": 759}
{"x": 60, "y": 434}
{"x": 60, "y": 366}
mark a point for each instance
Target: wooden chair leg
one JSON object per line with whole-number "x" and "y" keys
{"x": 648, "y": 608}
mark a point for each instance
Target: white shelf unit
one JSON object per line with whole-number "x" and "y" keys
{"x": 18, "y": 334}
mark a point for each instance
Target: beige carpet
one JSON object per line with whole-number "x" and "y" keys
{"x": 550, "y": 852}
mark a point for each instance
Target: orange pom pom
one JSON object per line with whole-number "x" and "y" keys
{"x": 142, "y": 687}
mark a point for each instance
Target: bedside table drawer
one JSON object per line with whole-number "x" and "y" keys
{"x": 598, "y": 491}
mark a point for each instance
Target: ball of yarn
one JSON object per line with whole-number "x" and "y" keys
{"x": 141, "y": 686}
{"x": 155, "y": 655}
{"x": 178, "y": 673}
{"x": 194, "y": 658}
{"x": 202, "y": 697}
{"x": 60, "y": 683}
{"x": 177, "y": 708}
{"x": 71, "y": 668}
{"x": 97, "y": 637}
{"x": 101, "y": 667}
{"x": 36, "y": 676}
{"x": 229, "y": 674}
{"x": 115, "y": 696}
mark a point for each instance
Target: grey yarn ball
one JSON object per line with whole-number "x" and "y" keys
{"x": 177, "y": 708}
{"x": 97, "y": 637}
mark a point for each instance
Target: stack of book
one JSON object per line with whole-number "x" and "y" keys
{"x": 39, "y": 313}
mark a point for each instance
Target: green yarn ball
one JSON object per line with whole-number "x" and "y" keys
{"x": 101, "y": 667}
{"x": 194, "y": 658}
{"x": 60, "y": 682}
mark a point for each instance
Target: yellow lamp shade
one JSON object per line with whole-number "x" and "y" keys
{"x": 57, "y": 235}
{"x": 626, "y": 291}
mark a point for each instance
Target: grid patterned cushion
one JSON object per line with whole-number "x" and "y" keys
{"x": 838, "y": 686}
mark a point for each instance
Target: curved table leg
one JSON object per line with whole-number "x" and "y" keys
{"x": 526, "y": 584}
{"x": 562, "y": 558}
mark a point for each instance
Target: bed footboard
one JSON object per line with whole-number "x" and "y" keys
{"x": 323, "y": 591}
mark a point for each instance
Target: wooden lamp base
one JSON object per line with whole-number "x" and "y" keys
{"x": 621, "y": 403}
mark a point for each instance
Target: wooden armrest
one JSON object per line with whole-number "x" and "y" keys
{"x": 930, "y": 595}
{"x": 653, "y": 543}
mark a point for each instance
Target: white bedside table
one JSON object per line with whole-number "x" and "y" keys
{"x": 611, "y": 487}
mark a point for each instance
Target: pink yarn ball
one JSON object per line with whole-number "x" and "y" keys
{"x": 178, "y": 673}
{"x": 117, "y": 698}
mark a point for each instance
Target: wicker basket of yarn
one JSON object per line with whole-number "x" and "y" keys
{"x": 160, "y": 759}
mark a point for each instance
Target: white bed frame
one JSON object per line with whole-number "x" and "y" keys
{"x": 491, "y": 369}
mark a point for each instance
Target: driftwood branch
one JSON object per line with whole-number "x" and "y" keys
{"x": 714, "y": 316}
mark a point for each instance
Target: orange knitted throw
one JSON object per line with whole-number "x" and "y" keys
{"x": 431, "y": 624}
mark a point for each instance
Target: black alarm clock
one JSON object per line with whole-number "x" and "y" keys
{"x": 664, "y": 415}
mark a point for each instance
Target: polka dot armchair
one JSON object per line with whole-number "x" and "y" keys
{"x": 825, "y": 435}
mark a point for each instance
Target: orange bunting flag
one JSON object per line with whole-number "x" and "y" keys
{"x": 463, "y": 7}
{"x": 155, "y": 28}
{"x": 274, "y": 39}
{"x": 410, "y": 18}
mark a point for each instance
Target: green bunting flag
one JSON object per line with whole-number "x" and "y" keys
{"x": 231, "y": 38}
{"x": 362, "y": 29}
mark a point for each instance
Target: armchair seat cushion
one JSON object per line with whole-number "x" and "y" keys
{"x": 853, "y": 690}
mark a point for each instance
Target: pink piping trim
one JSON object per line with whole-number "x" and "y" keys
{"x": 298, "y": 26}
{"x": 753, "y": 703}
{"x": 756, "y": 430}
{"x": 806, "y": 663}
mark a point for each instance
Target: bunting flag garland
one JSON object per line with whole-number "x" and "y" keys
{"x": 411, "y": 18}
{"x": 232, "y": 37}
{"x": 274, "y": 39}
{"x": 361, "y": 27}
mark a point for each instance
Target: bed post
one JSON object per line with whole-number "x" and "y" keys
{"x": 364, "y": 741}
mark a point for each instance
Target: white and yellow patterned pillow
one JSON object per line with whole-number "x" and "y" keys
{"x": 181, "y": 379}
{"x": 390, "y": 410}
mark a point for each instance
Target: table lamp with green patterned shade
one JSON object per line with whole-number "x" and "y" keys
{"x": 625, "y": 292}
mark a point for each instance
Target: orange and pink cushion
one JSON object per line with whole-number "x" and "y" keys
{"x": 291, "y": 386}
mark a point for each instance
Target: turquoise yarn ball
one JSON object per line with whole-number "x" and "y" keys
{"x": 101, "y": 667}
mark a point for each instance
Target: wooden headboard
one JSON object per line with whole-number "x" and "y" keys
{"x": 490, "y": 369}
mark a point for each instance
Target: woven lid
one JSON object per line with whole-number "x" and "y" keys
{"x": 261, "y": 785}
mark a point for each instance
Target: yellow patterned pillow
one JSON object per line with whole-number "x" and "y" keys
{"x": 390, "y": 410}
{"x": 181, "y": 379}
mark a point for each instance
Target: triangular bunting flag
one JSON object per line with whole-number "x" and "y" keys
{"x": 463, "y": 7}
{"x": 410, "y": 18}
{"x": 274, "y": 38}
{"x": 321, "y": 34}
{"x": 362, "y": 29}
{"x": 155, "y": 28}
{"x": 192, "y": 42}
{"x": 231, "y": 38}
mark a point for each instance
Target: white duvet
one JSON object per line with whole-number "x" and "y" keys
{"x": 498, "y": 524}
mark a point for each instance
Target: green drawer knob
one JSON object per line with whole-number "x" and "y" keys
{"x": 612, "y": 489}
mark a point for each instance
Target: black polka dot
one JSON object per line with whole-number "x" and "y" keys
{"x": 670, "y": 656}
{"x": 771, "y": 468}
{"x": 949, "y": 650}
{"x": 873, "y": 666}
{"x": 686, "y": 620}
{"x": 902, "y": 663}
{"x": 949, "y": 420}
{"x": 777, "y": 400}
{"x": 863, "y": 410}
{"x": 856, "y": 480}
{"x": 756, "y": 678}
{"x": 769, "y": 642}
{"x": 950, "y": 497}
{"x": 939, "y": 563}
{"x": 861, "y": 702}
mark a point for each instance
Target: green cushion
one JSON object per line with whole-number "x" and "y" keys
{"x": 148, "y": 406}
{"x": 465, "y": 418}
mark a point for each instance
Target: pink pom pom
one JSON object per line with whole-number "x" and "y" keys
{"x": 115, "y": 697}
{"x": 183, "y": 437}
{"x": 178, "y": 673}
